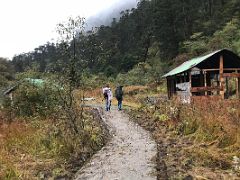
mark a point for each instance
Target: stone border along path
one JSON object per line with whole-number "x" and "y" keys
{"x": 128, "y": 156}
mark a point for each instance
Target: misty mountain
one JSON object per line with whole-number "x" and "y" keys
{"x": 105, "y": 17}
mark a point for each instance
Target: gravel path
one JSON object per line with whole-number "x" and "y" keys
{"x": 128, "y": 156}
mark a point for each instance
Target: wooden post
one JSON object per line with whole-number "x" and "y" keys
{"x": 168, "y": 88}
{"x": 221, "y": 76}
{"x": 174, "y": 84}
{"x": 205, "y": 81}
{"x": 201, "y": 78}
{"x": 171, "y": 85}
{"x": 237, "y": 87}
{"x": 227, "y": 89}
{"x": 190, "y": 82}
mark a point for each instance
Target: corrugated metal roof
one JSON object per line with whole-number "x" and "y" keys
{"x": 39, "y": 83}
{"x": 36, "y": 82}
{"x": 189, "y": 64}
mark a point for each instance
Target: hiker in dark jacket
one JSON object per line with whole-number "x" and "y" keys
{"x": 119, "y": 96}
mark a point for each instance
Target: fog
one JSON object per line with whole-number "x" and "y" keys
{"x": 105, "y": 16}
{"x": 28, "y": 24}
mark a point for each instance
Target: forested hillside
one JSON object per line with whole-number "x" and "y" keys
{"x": 158, "y": 32}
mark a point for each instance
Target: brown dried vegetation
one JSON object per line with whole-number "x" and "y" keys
{"x": 37, "y": 148}
{"x": 198, "y": 140}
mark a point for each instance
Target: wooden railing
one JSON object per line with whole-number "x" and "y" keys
{"x": 205, "y": 89}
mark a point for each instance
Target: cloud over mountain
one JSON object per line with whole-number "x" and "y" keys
{"x": 105, "y": 17}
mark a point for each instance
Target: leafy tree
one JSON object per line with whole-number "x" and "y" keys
{"x": 196, "y": 45}
{"x": 6, "y": 72}
{"x": 69, "y": 79}
{"x": 228, "y": 37}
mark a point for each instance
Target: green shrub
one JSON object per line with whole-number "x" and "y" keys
{"x": 32, "y": 100}
{"x": 161, "y": 117}
{"x": 139, "y": 75}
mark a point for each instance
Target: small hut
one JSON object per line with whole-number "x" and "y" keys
{"x": 213, "y": 75}
{"x": 10, "y": 91}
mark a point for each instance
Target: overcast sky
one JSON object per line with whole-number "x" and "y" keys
{"x": 26, "y": 24}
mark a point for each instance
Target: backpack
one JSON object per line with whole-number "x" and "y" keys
{"x": 105, "y": 93}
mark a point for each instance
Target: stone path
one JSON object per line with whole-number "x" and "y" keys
{"x": 128, "y": 156}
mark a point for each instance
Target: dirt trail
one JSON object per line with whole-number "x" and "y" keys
{"x": 128, "y": 156}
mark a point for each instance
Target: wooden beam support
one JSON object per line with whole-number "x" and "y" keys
{"x": 221, "y": 78}
{"x": 206, "y": 89}
{"x": 190, "y": 82}
{"x": 205, "y": 81}
{"x": 224, "y": 69}
{"x": 237, "y": 86}
{"x": 235, "y": 75}
{"x": 168, "y": 88}
{"x": 227, "y": 88}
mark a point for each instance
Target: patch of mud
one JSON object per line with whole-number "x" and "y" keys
{"x": 129, "y": 155}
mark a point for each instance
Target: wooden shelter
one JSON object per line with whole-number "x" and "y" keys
{"x": 216, "y": 74}
{"x": 10, "y": 91}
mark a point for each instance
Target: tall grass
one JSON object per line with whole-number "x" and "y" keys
{"x": 213, "y": 126}
{"x": 34, "y": 148}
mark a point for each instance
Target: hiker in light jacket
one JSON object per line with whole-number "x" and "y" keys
{"x": 107, "y": 94}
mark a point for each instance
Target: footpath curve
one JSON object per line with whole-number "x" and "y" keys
{"x": 128, "y": 156}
